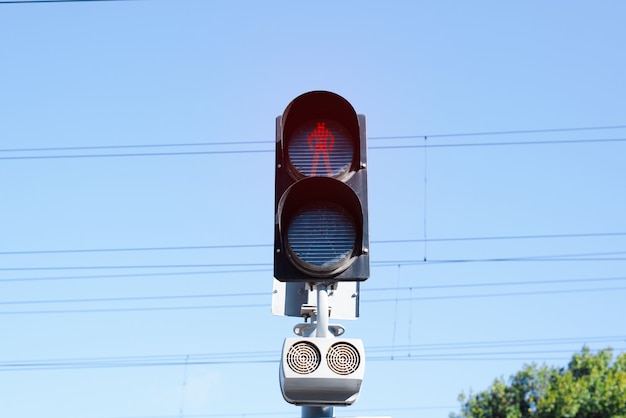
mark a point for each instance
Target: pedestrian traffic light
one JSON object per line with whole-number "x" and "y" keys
{"x": 321, "y": 219}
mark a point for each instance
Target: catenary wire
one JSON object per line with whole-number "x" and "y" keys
{"x": 363, "y": 291}
{"x": 132, "y": 146}
{"x": 134, "y": 275}
{"x": 381, "y": 353}
{"x": 509, "y": 132}
{"x": 240, "y": 246}
{"x": 256, "y": 270}
{"x": 247, "y": 151}
{"x": 380, "y": 147}
{"x": 262, "y": 142}
{"x": 265, "y": 305}
{"x": 599, "y": 256}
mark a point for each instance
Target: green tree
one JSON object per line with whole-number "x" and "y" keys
{"x": 592, "y": 386}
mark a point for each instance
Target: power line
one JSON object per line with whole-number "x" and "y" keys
{"x": 465, "y": 350}
{"x": 498, "y": 295}
{"x": 128, "y": 310}
{"x": 145, "y": 154}
{"x": 553, "y": 258}
{"x": 261, "y": 142}
{"x": 267, "y": 294}
{"x": 487, "y": 284}
{"x": 510, "y": 132}
{"x": 241, "y": 246}
{"x": 136, "y": 267}
{"x": 506, "y": 343}
{"x": 248, "y": 151}
{"x": 499, "y": 144}
{"x": 578, "y": 257}
{"x": 134, "y": 275}
{"x": 136, "y": 298}
{"x": 501, "y": 237}
{"x": 139, "y": 249}
{"x": 257, "y": 151}
{"x": 265, "y": 305}
{"x": 134, "y": 146}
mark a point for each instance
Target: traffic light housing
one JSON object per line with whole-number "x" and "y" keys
{"x": 321, "y": 217}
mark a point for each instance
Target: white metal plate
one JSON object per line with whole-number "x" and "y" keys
{"x": 288, "y": 298}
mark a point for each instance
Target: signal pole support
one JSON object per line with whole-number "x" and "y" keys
{"x": 322, "y": 313}
{"x": 321, "y": 331}
{"x": 321, "y": 248}
{"x": 317, "y": 412}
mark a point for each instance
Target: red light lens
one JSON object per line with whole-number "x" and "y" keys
{"x": 321, "y": 148}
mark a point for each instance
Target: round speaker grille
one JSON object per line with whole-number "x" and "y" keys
{"x": 303, "y": 357}
{"x": 343, "y": 358}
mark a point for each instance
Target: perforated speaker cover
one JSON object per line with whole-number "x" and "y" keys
{"x": 303, "y": 357}
{"x": 343, "y": 358}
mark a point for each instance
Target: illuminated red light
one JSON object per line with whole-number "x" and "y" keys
{"x": 321, "y": 142}
{"x": 321, "y": 148}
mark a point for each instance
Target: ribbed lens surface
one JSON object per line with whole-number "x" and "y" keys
{"x": 303, "y": 358}
{"x": 343, "y": 358}
{"x": 322, "y": 233}
{"x": 321, "y": 148}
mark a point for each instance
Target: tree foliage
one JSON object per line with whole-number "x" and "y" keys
{"x": 592, "y": 386}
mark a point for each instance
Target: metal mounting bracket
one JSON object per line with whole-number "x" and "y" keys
{"x": 307, "y": 329}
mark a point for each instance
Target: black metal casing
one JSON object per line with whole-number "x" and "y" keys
{"x": 293, "y": 190}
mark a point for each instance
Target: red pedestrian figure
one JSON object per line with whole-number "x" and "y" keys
{"x": 321, "y": 141}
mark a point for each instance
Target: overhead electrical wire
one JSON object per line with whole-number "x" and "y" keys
{"x": 235, "y": 268}
{"x": 499, "y": 144}
{"x": 238, "y": 268}
{"x": 488, "y": 284}
{"x": 266, "y": 294}
{"x": 144, "y": 154}
{"x": 133, "y": 146}
{"x": 270, "y": 150}
{"x": 600, "y": 256}
{"x": 136, "y": 267}
{"x": 261, "y": 142}
{"x": 579, "y": 257}
{"x": 265, "y": 305}
{"x": 240, "y": 246}
{"x": 509, "y": 132}
{"x": 163, "y": 362}
{"x": 606, "y": 256}
{"x": 498, "y": 295}
{"x": 489, "y": 350}
{"x": 133, "y": 275}
{"x": 379, "y": 147}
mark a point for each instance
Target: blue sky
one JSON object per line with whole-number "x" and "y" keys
{"x": 138, "y": 190}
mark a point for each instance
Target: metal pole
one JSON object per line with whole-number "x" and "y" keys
{"x": 322, "y": 311}
{"x": 321, "y": 331}
{"x": 317, "y": 412}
